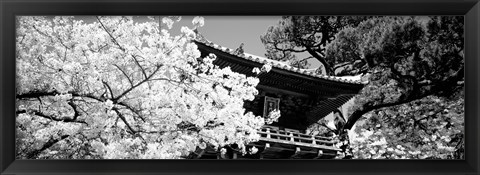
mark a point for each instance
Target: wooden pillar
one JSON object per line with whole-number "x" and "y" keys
{"x": 320, "y": 153}
{"x": 297, "y": 152}
{"x": 265, "y": 150}
{"x": 314, "y": 140}
{"x": 220, "y": 155}
{"x": 291, "y": 137}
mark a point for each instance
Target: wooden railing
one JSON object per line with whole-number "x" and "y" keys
{"x": 295, "y": 137}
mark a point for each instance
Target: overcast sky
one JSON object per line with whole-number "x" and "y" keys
{"x": 231, "y": 31}
{"x": 228, "y": 31}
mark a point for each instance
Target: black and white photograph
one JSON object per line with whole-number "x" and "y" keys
{"x": 240, "y": 87}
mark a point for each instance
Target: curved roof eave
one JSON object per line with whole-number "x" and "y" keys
{"x": 277, "y": 64}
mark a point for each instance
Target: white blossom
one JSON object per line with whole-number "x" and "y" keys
{"x": 273, "y": 116}
{"x": 168, "y": 21}
{"x": 188, "y": 32}
{"x": 256, "y": 70}
{"x": 253, "y": 150}
{"x": 266, "y": 67}
{"x": 198, "y": 21}
{"x": 223, "y": 151}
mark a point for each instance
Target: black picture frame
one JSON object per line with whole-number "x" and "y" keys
{"x": 10, "y": 8}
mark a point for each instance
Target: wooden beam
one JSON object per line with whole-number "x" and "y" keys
{"x": 292, "y": 130}
{"x": 274, "y": 89}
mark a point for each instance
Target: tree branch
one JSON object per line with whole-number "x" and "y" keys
{"x": 45, "y": 146}
{"x": 368, "y": 107}
{"x": 125, "y": 74}
{"x": 123, "y": 49}
{"x": 447, "y": 82}
{"x": 275, "y": 45}
{"x": 37, "y": 94}
{"x": 63, "y": 119}
{"x": 115, "y": 99}
{"x": 124, "y": 120}
{"x": 76, "y": 113}
{"x": 131, "y": 109}
{"x": 322, "y": 60}
{"x": 109, "y": 89}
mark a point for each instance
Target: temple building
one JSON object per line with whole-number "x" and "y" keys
{"x": 302, "y": 96}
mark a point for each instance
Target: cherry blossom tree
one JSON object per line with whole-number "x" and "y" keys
{"x": 119, "y": 89}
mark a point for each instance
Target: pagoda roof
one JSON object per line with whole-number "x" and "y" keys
{"x": 279, "y": 64}
{"x": 282, "y": 76}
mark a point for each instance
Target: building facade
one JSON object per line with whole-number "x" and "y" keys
{"x": 302, "y": 96}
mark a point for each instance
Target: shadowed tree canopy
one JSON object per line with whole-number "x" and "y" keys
{"x": 305, "y": 34}
{"x": 405, "y": 59}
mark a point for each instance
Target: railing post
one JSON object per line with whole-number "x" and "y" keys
{"x": 235, "y": 155}
{"x": 268, "y": 133}
{"x": 291, "y": 137}
{"x": 319, "y": 155}
{"x": 314, "y": 140}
